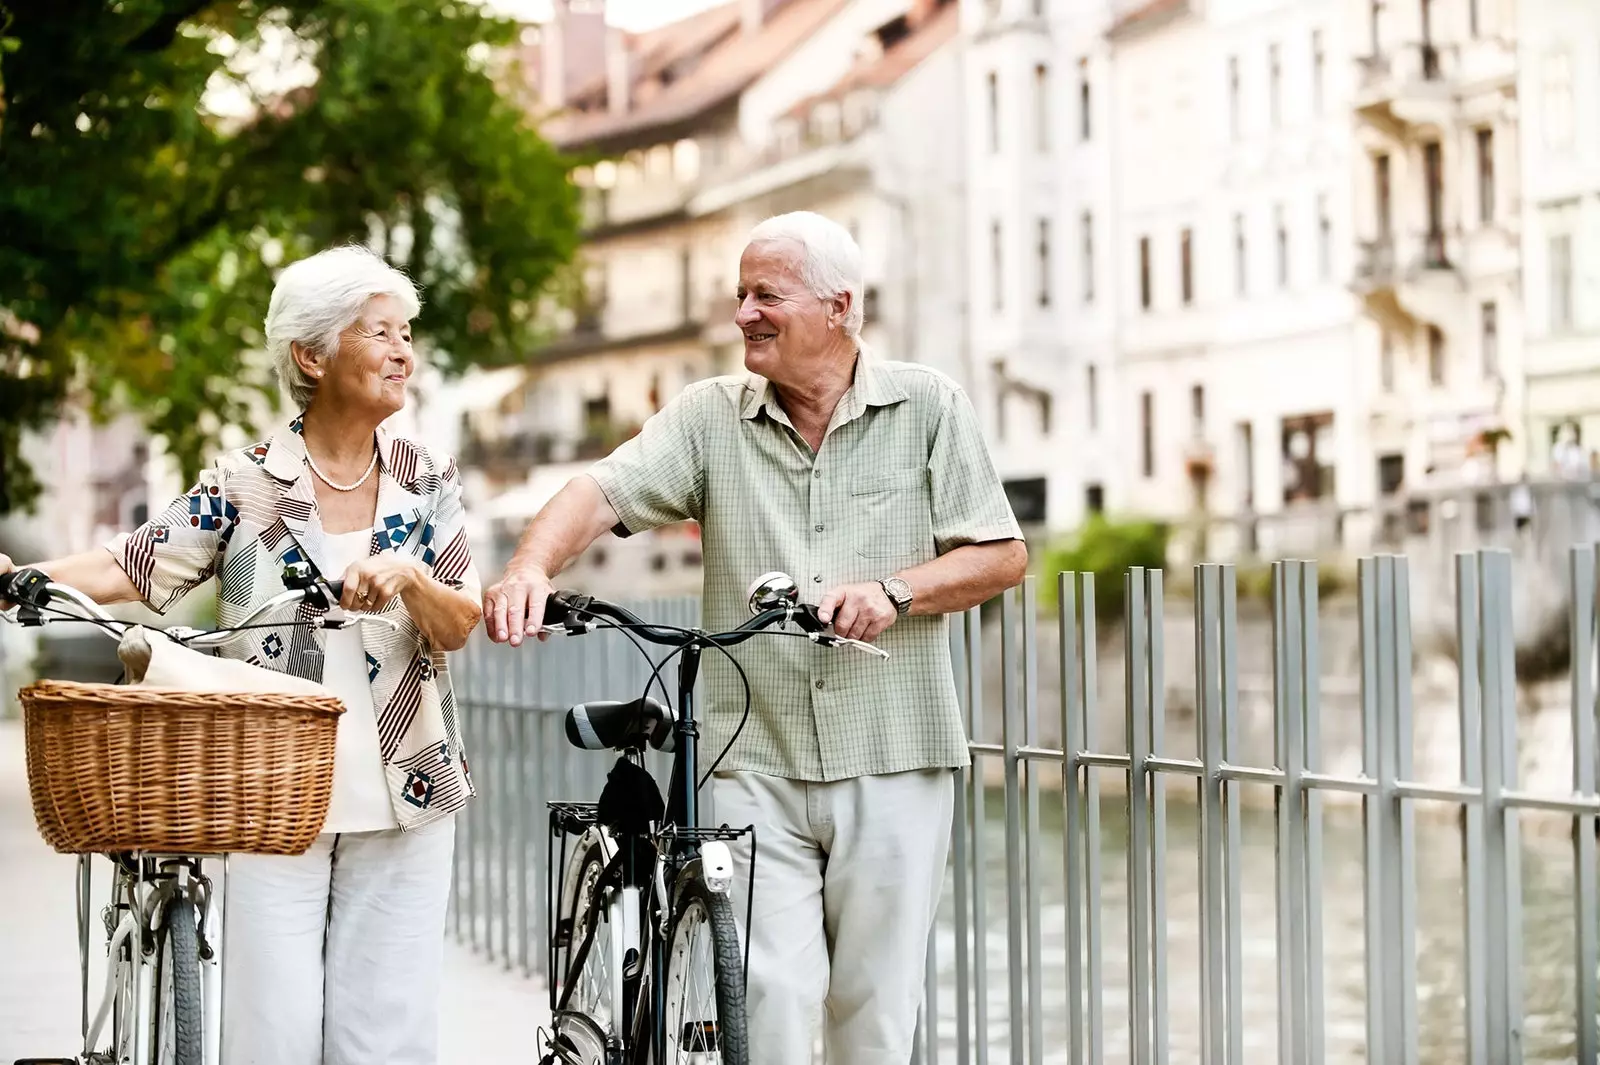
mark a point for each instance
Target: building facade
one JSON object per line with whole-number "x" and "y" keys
{"x": 1559, "y": 87}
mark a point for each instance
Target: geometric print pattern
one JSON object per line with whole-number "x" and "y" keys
{"x": 253, "y": 511}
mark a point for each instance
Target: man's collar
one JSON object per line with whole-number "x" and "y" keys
{"x": 871, "y": 386}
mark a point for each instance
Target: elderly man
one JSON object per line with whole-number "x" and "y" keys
{"x": 869, "y": 483}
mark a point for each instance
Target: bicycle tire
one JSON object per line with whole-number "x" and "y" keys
{"x": 178, "y": 975}
{"x": 579, "y": 940}
{"x": 695, "y": 903}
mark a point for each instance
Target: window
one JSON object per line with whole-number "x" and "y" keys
{"x": 1486, "y": 175}
{"x": 1086, "y": 223}
{"x": 1044, "y": 262}
{"x": 1144, "y": 273}
{"x": 1473, "y": 25}
{"x": 1558, "y": 100}
{"x": 1092, "y": 389}
{"x": 994, "y": 111}
{"x": 1147, "y": 429}
{"x": 1490, "y": 339}
{"x": 1240, "y": 273}
{"x": 1197, "y": 410}
{"x": 1391, "y": 473}
{"x": 1386, "y": 362}
{"x": 1084, "y": 116}
{"x": 1324, "y": 240}
{"x": 1233, "y": 97}
{"x": 1041, "y": 105}
{"x": 1094, "y": 498}
{"x": 1319, "y": 62}
{"x": 1375, "y": 23}
{"x": 1274, "y": 85}
{"x": 1186, "y": 266}
{"x": 1281, "y": 225}
{"x": 1383, "y": 198}
{"x": 1433, "y": 174}
{"x": 1561, "y": 283}
{"x": 997, "y": 263}
{"x": 1435, "y": 355}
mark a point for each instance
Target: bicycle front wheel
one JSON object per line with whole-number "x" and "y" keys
{"x": 178, "y": 1032}
{"x": 703, "y": 1000}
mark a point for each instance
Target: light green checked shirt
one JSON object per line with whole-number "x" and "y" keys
{"x": 901, "y": 477}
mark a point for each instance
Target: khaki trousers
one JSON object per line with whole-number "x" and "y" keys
{"x": 847, "y": 882}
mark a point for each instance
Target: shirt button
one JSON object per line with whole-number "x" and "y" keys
{"x": 820, "y": 683}
{"x": 816, "y": 473}
{"x": 819, "y": 528}
{"x": 817, "y": 579}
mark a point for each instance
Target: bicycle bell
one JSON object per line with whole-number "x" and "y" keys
{"x": 772, "y": 591}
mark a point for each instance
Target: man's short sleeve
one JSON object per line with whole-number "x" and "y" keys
{"x": 969, "y": 503}
{"x": 658, "y": 477}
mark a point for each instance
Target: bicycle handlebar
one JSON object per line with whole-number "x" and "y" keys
{"x": 32, "y": 591}
{"x": 567, "y": 613}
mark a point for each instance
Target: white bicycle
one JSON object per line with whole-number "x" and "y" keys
{"x": 161, "y": 1000}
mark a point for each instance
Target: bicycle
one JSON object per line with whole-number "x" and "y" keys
{"x": 642, "y": 921}
{"x": 163, "y": 982}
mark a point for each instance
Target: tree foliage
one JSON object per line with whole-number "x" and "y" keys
{"x": 141, "y": 222}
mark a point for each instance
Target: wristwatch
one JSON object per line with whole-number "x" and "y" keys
{"x": 899, "y": 593}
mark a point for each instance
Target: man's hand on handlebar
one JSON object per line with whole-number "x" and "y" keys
{"x": 858, "y": 611}
{"x": 514, "y": 608}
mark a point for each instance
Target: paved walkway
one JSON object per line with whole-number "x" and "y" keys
{"x": 487, "y": 1011}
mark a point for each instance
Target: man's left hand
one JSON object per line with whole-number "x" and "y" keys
{"x": 858, "y": 611}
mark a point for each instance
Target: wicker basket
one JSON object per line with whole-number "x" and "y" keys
{"x": 113, "y": 767}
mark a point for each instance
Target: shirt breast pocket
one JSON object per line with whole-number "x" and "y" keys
{"x": 890, "y": 514}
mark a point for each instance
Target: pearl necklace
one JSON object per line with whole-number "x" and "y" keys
{"x": 344, "y": 487}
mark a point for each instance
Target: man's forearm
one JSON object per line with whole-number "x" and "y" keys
{"x": 564, "y": 528}
{"x": 961, "y": 579}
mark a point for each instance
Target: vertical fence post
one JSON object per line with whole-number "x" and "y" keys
{"x": 1137, "y": 726}
{"x": 1473, "y": 873}
{"x": 1502, "y": 858}
{"x": 1586, "y": 897}
{"x": 1390, "y": 881}
{"x": 1292, "y": 677}
{"x": 1233, "y": 865}
{"x": 1011, "y": 730}
{"x": 1071, "y": 656}
{"x": 980, "y": 937}
{"x": 1093, "y": 938}
{"x": 1214, "y": 989}
{"x": 1035, "y": 896}
{"x": 960, "y": 848}
{"x": 1156, "y": 642}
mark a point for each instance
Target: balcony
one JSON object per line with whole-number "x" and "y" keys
{"x": 1409, "y": 87}
{"x": 1414, "y": 279}
{"x": 821, "y": 145}
{"x": 632, "y": 205}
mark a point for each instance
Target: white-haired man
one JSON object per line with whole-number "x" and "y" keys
{"x": 869, "y": 482}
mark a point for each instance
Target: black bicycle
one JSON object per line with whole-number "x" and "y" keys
{"x": 644, "y": 957}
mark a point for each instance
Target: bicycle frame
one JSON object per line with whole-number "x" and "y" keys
{"x": 139, "y": 899}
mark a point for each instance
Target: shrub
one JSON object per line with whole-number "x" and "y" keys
{"x": 1106, "y": 548}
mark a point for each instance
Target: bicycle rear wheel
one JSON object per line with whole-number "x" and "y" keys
{"x": 178, "y": 1021}
{"x": 583, "y": 955}
{"x": 703, "y": 1000}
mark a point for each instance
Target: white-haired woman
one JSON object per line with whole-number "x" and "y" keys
{"x": 334, "y": 956}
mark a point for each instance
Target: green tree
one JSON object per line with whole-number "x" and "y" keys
{"x": 142, "y": 225}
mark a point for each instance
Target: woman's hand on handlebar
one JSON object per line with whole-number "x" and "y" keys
{"x": 370, "y": 583}
{"x": 514, "y": 608}
{"x": 6, "y": 566}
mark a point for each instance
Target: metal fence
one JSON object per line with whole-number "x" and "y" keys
{"x": 1065, "y": 933}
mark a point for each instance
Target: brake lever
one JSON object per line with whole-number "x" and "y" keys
{"x": 829, "y": 640}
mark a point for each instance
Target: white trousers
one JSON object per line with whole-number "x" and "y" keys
{"x": 847, "y": 882}
{"x": 333, "y": 957}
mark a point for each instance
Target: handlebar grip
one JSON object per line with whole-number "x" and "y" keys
{"x": 29, "y": 587}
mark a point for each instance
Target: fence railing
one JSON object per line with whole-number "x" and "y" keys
{"x": 1071, "y": 933}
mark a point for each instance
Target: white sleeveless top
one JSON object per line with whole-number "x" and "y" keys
{"x": 361, "y": 795}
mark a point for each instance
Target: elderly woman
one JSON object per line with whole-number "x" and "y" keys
{"x": 334, "y": 956}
